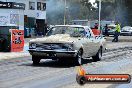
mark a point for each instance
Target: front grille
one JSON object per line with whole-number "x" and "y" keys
{"x": 49, "y": 46}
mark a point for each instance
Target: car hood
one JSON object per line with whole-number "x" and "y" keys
{"x": 126, "y": 30}
{"x": 58, "y": 38}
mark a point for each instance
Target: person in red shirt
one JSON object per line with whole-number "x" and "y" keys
{"x": 96, "y": 26}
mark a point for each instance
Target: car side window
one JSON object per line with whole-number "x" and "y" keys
{"x": 78, "y": 31}
{"x": 82, "y": 31}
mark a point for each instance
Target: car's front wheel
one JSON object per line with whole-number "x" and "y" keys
{"x": 98, "y": 56}
{"x": 36, "y": 60}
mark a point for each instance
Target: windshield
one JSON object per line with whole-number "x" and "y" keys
{"x": 127, "y": 28}
{"x": 72, "y": 31}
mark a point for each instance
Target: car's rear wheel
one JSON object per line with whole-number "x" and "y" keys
{"x": 36, "y": 60}
{"x": 79, "y": 59}
{"x": 98, "y": 56}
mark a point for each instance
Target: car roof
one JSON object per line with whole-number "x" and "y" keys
{"x": 71, "y": 26}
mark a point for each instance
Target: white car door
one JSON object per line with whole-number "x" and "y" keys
{"x": 91, "y": 44}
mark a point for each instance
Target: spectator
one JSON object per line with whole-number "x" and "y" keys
{"x": 117, "y": 32}
{"x": 96, "y": 26}
{"x": 45, "y": 28}
{"x": 36, "y": 29}
{"x": 106, "y": 30}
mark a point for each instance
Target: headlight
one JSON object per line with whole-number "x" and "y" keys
{"x": 32, "y": 45}
{"x": 68, "y": 46}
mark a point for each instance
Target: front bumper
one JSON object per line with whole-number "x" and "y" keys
{"x": 51, "y": 54}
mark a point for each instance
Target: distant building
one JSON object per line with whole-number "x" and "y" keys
{"x": 12, "y": 15}
{"x": 34, "y": 13}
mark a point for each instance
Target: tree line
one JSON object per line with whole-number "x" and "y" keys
{"x": 84, "y": 9}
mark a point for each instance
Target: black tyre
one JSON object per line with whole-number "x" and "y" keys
{"x": 79, "y": 59}
{"x": 36, "y": 60}
{"x": 98, "y": 56}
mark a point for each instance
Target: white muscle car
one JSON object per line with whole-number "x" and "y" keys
{"x": 70, "y": 42}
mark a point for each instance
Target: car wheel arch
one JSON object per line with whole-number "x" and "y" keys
{"x": 101, "y": 48}
{"x": 81, "y": 49}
